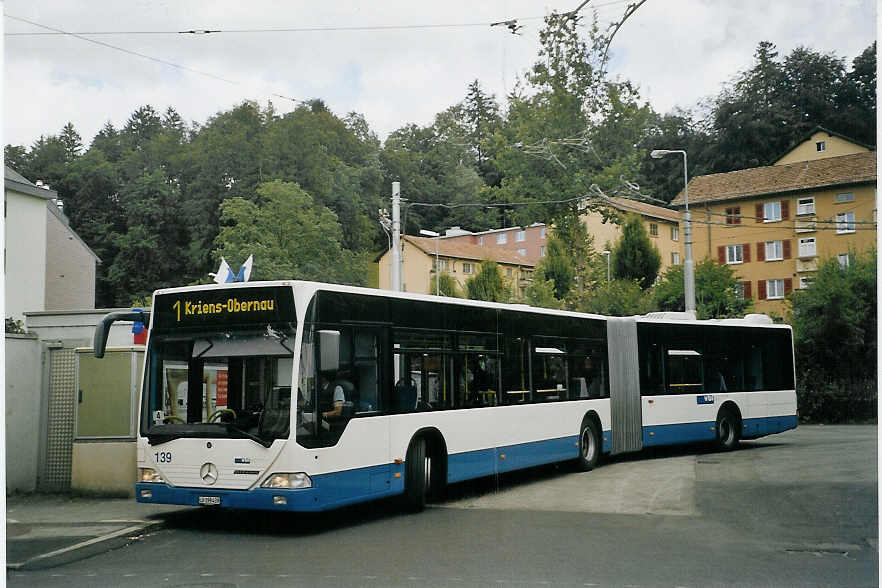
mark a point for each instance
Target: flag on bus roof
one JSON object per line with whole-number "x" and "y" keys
{"x": 224, "y": 273}
{"x": 244, "y": 271}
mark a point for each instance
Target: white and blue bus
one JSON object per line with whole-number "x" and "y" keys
{"x": 303, "y": 396}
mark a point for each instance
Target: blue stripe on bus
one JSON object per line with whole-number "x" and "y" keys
{"x": 706, "y": 431}
{"x": 338, "y": 489}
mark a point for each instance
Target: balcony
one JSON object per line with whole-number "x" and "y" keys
{"x": 806, "y": 224}
{"x": 807, "y": 264}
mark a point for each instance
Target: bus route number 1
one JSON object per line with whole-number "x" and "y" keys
{"x": 162, "y": 457}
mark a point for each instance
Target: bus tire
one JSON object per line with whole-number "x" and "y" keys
{"x": 728, "y": 429}
{"x": 416, "y": 486}
{"x": 589, "y": 446}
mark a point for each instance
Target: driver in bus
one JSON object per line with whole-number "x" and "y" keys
{"x": 340, "y": 390}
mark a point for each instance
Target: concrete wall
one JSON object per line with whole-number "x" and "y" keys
{"x": 70, "y": 268}
{"x": 77, "y": 327}
{"x": 25, "y": 253}
{"x": 25, "y": 408}
{"x": 104, "y": 467}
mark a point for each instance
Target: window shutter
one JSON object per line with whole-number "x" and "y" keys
{"x": 760, "y": 251}
{"x": 721, "y": 255}
{"x": 760, "y": 217}
{"x": 785, "y": 209}
{"x": 761, "y": 289}
{"x": 746, "y": 288}
{"x": 745, "y": 252}
{"x": 788, "y": 286}
{"x": 786, "y": 248}
{"x": 737, "y": 215}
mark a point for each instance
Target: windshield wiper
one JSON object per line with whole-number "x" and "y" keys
{"x": 231, "y": 428}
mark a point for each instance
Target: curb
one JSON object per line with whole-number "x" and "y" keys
{"x": 87, "y": 548}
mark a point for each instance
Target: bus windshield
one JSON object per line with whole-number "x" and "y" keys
{"x": 219, "y": 384}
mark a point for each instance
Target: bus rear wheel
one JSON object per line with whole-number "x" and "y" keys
{"x": 727, "y": 429}
{"x": 589, "y": 446}
{"x": 417, "y": 472}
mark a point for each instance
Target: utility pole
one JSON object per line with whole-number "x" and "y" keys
{"x": 396, "y": 237}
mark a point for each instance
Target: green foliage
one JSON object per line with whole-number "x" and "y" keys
{"x": 617, "y": 298}
{"x": 634, "y": 256}
{"x": 14, "y": 326}
{"x": 541, "y": 291}
{"x": 488, "y": 284}
{"x": 290, "y": 236}
{"x": 445, "y": 285}
{"x": 716, "y": 291}
{"x": 835, "y": 333}
{"x": 558, "y": 267}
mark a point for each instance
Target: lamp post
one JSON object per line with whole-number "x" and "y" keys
{"x": 607, "y": 254}
{"x": 688, "y": 267}
{"x": 428, "y": 233}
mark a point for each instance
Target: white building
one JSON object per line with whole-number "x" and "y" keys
{"x": 47, "y": 265}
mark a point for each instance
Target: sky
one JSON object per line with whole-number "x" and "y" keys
{"x": 677, "y": 52}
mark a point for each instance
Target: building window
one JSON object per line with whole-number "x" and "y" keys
{"x": 844, "y": 222}
{"x": 808, "y": 247}
{"x": 844, "y": 259}
{"x": 653, "y": 229}
{"x": 774, "y": 250}
{"x": 805, "y": 282}
{"x": 480, "y": 240}
{"x": 733, "y": 215}
{"x": 675, "y": 233}
{"x": 846, "y": 197}
{"x": 467, "y": 268}
{"x": 821, "y": 146}
{"x": 443, "y": 264}
{"x": 675, "y": 258}
{"x": 771, "y": 212}
{"x": 522, "y": 252}
{"x": 542, "y": 232}
{"x": 734, "y": 254}
{"x": 542, "y": 251}
{"x": 521, "y": 236}
{"x": 501, "y": 238}
{"x": 774, "y": 289}
{"x": 508, "y": 272}
{"x": 805, "y": 205}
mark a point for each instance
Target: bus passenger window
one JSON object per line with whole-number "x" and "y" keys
{"x": 549, "y": 371}
{"x": 684, "y": 372}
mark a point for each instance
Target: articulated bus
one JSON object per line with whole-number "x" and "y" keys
{"x": 303, "y": 396}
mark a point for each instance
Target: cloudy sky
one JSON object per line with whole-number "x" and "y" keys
{"x": 676, "y": 51}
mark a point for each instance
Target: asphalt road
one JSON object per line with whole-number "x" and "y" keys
{"x": 795, "y": 509}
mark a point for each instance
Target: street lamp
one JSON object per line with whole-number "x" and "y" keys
{"x": 688, "y": 268}
{"x": 428, "y": 233}
{"x": 607, "y": 254}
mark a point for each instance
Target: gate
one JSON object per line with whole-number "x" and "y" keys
{"x": 54, "y": 474}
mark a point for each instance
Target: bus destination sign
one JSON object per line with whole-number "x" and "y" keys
{"x": 224, "y": 307}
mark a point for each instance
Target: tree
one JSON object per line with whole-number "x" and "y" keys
{"x": 541, "y": 291}
{"x": 557, "y": 266}
{"x": 717, "y": 291}
{"x": 835, "y": 334}
{"x": 634, "y": 256}
{"x": 73, "y": 143}
{"x": 488, "y": 284}
{"x": 617, "y": 298}
{"x": 290, "y": 236}
{"x": 445, "y": 285}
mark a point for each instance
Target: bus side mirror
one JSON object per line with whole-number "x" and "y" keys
{"x": 329, "y": 349}
{"x": 99, "y": 343}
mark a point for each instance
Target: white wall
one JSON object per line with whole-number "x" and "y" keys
{"x": 25, "y": 245}
{"x": 24, "y": 410}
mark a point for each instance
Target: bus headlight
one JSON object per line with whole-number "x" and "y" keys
{"x": 290, "y": 481}
{"x": 149, "y": 475}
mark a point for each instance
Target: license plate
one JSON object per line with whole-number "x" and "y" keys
{"x": 209, "y": 500}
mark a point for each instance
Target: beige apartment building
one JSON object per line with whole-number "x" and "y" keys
{"x": 662, "y": 225}
{"x": 774, "y": 225}
{"x": 457, "y": 257}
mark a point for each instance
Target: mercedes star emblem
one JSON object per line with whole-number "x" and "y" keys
{"x": 208, "y": 473}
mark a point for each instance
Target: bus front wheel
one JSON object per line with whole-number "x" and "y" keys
{"x": 728, "y": 425}
{"x": 589, "y": 446}
{"x": 416, "y": 476}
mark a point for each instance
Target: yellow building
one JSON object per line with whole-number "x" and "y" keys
{"x": 662, "y": 225}
{"x": 459, "y": 259}
{"x": 774, "y": 225}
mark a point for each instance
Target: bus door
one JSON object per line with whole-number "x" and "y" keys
{"x": 624, "y": 384}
